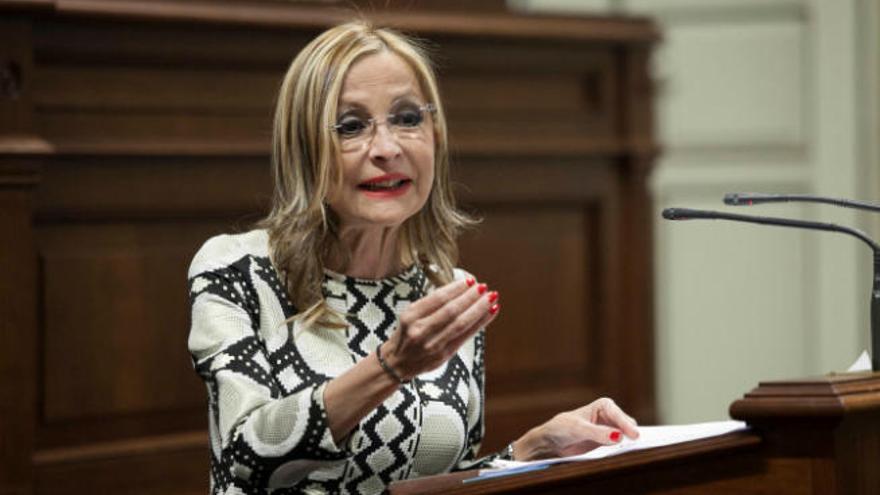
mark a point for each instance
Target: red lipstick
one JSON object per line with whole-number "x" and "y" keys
{"x": 386, "y": 186}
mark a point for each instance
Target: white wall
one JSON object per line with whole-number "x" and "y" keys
{"x": 757, "y": 95}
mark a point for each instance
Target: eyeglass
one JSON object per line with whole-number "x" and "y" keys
{"x": 356, "y": 132}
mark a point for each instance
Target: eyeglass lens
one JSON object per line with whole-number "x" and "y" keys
{"x": 355, "y": 131}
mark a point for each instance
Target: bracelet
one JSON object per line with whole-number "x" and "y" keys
{"x": 507, "y": 453}
{"x": 387, "y": 368}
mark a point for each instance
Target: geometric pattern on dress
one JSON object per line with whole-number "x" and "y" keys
{"x": 239, "y": 464}
{"x": 230, "y": 318}
{"x": 389, "y": 429}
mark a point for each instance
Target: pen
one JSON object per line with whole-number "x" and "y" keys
{"x": 506, "y": 472}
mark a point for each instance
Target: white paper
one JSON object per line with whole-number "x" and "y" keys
{"x": 649, "y": 437}
{"x": 863, "y": 363}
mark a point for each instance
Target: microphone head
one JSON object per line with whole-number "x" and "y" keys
{"x": 749, "y": 199}
{"x": 732, "y": 199}
{"x": 670, "y": 214}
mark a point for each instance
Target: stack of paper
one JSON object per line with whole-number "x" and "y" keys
{"x": 649, "y": 437}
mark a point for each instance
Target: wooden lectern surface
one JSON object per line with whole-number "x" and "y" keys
{"x": 626, "y": 473}
{"x": 818, "y": 436}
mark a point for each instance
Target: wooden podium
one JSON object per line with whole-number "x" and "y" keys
{"x": 811, "y": 436}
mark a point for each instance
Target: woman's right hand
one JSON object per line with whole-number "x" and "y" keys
{"x": 431, "y": 330}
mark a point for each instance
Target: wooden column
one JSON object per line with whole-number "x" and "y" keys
{"x": 18, "y": 327}
{"x": 827, "y": 427}
{"x": 19, "y": 310}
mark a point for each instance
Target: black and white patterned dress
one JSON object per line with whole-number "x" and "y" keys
{"x": 266, "y": 378}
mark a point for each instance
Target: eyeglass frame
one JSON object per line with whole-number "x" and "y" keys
{"x": 373, "y": 122}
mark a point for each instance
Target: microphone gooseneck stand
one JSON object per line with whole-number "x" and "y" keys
{"x": 749, "y": 199}
{"x": 691, "y": 214}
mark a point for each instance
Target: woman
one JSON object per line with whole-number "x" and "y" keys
{"x": 341, "y": 348}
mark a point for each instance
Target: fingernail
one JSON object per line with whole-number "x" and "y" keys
{"x": 615, "y": 436}
{"x": 482, "y": 288}
{"x": 493, "y": 296}
{"x": 470, "y": 281}
{"x": 494, "y": 309}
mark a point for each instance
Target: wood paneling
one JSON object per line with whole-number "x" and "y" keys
{"x": 538, "y": 245}
{"x": 18, "y": 325}
{"x": 157, "y": 187}
{"x": 112, "y": 298}
{"x": 147, "y": 131}
{"x": 183, "y": 472}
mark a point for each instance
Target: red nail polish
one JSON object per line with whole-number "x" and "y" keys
{"x": 615, "y": 436}
{"x": 494, "y": 309}
{"x": 470, "y": 281}
{"x": 493, "y": 296}
{"x": 482, "y": 288}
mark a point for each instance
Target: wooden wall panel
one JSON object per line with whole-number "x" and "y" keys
{"x": 147, "y": 131}
{"x": 183, "y": 472}
{"x": 167, "y": 89}
{"x": 540, "y": 245}
{"x": 544, "y": 264}
{"x": 113, "y": 322}
{"x": 536, "y": 258}
{"x": 545, "y": 98}
{"x": 234, "y": 189}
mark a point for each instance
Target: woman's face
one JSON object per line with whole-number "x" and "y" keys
{"x": 387, "y": 164}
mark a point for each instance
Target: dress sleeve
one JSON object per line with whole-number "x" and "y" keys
{"x": 262, "y": 436}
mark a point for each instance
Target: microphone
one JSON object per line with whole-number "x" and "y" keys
{"x": 691, "y": 214}
{"x": 748, "y": 199}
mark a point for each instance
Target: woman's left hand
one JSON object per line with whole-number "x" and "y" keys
{"x": 574, "y": 432}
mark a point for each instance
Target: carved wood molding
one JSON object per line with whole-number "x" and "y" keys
{"x": 283, "y": 14}
{"x": 25, "y": 145}
{"x": 187, "y": 441}
{"x": 18, "y": 175}
{"x": 832, "y": 396}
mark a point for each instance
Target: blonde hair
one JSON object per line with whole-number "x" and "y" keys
{"x": 302, "y": 229}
